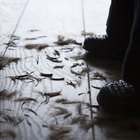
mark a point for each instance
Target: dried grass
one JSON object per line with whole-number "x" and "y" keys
{"x": 58, "y": 67}
{"x": 58, "y": 79}
{"x": 60, "y": 133}
{"x": 66, "y": 101}
{"x": 83, "y": 121}
{"x": 5, "y": 95}
{"x": 54, "y": 59}
{"x": 52, "y": 94}
{"x": 61, "y": 111}
{"x": 96, "y": 87}
{"x": 61, "y": 100}
{"x": 8, "y": 133}
{"x": 25, "y": 99}
{"x": 15, "y": 120}
{"x": 4, "y": 61}
{"x": 71, "y": 83}
{"x": 62, "y": 41}
{"x": 26, "y": 77}
{"x": 78, "y": 119}
{"x": 46, "y": 74}
{"x": 30, "y": 110}
{"x": 36, "y": 46}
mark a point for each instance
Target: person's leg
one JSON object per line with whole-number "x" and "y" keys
{"x": 120, "y": 20}
{"x": 118, "y": 31}
{"x": 124, "y": 96}
{"x": 131, "y": 66}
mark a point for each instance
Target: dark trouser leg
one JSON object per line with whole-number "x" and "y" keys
{"x": 120, "y": 19}
{"x": 131, "y": 67}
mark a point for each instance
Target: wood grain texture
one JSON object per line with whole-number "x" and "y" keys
{"x": 36, "y": 114}
{"x": 50, "y": 93}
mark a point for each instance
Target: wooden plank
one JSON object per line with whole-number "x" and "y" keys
{"x": 27, "y": 109}
{"x": 95, "y": 23}
{"x": 37, "y": 114}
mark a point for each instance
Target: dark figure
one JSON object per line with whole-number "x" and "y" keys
{"x": 121, "y": 41}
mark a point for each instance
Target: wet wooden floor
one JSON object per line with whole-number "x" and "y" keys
{"x": 48, "y": 83}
